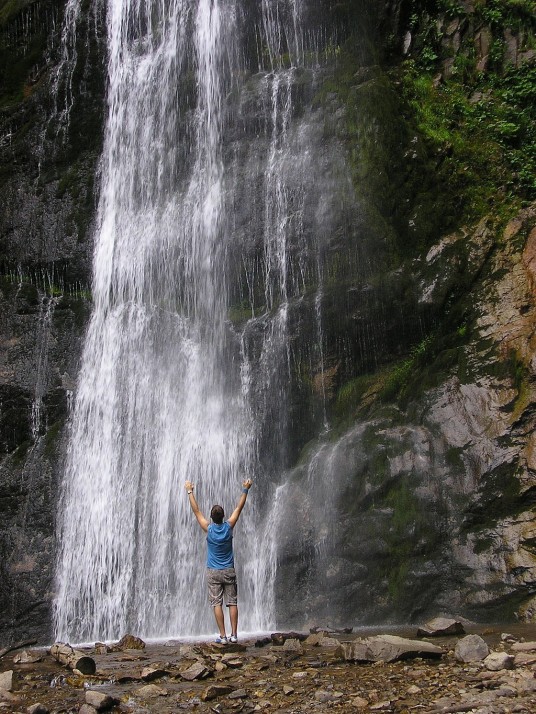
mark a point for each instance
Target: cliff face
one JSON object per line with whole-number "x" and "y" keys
{"x": 427, "y": 498}
{"x": 423, "y": 496}
{"x": 49, "y": 150}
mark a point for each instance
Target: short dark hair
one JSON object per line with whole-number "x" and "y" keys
{"x": 217, "y": 514}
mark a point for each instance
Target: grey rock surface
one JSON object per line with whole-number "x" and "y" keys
{"x": 471, "y": 648}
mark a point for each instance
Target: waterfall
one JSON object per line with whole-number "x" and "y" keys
{"x": 170, "y": 388}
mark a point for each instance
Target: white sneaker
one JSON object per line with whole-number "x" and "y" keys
{"x": 233, "y": 639}
{"x": 221, "y": 640}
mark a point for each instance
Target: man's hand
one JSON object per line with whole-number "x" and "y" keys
{"x": 195, "y": 508}
{"x": 246, "y": 485}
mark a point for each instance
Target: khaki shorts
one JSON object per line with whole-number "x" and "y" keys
{"x": 220, "y": 583}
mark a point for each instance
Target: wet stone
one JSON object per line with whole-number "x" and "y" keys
{"x": 37, "y": 708}
{"x": 154, "y": 671}
{"x": 499, "y": 660}
{"x": 359, "y": 702}
{"x": 6, "y": 680}
{"x": 128, "y": 642}
{"x": 100, "y": 700}
{"x": 195, "y": 671}
{"x": 151, "y": 690}
{"x": 215, "y": 691}
{"x": 238, "y": 694}
{"x": 27, "y": 657}
{"x": 440, "y": 627}
{"x": 471, "y": 649}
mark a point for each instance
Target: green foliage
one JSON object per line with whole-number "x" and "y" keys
{"x": 500, "y": 13}
{"x": 52, "y": 438}
{"x": 485, "y": 122}
{"x": 486, "y": 132}
{"x": 350, "y": 395}
{"x": 404, "y": 371}
{"x": 9, "y": 8}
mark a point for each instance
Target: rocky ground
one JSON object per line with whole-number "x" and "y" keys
{"x": 286, "y": 673}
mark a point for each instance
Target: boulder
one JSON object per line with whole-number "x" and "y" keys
{"x": 386, "y": 648}
{"x": 292, "y": 645}
{"x": 471, "y": 649}
{"x": 87, "y": 709}
{"x": 496, "y": 661}
{"x": 441, "y": 626}
{"x": 100, "y": 700}
{"x": 128, "y": 642}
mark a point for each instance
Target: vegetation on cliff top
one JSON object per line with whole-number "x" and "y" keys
{"x": 470, "y": 84}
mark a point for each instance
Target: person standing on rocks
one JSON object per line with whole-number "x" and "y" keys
{"x": 221, "y": 576}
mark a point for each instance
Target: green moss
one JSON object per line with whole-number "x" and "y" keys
{"x": 10, "y": 8}
{"x": 51, "y": 438}
{"x": 238, "y": 314}
{"x": 350, "y": 394}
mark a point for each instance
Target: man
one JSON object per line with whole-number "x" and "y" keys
{"x": 221, "y": 576}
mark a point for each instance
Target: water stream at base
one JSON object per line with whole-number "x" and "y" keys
{"x": 168, "y": 389}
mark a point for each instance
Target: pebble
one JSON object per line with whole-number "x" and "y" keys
{"x": 37, "y": 708}
{"x": 151, "y": 690}
{"x": 289, "y": 683}
{"x": 359, "y": 702}
{"x": 6, "y": 680}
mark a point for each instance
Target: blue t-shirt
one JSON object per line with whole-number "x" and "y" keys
{"x": 220, "y": 546}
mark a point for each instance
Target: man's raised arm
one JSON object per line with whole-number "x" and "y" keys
{"x": 195, "y": 508}
{"x": 241, "y": 503}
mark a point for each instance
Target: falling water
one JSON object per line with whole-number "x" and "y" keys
{"x": 46, "y": 312}
{"x": 169, "y": 389}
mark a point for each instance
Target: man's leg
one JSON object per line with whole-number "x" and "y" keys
{"x": 215, "y": 592}
{"x": 218, "y": 614}
{"x": 233, "y": 614}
